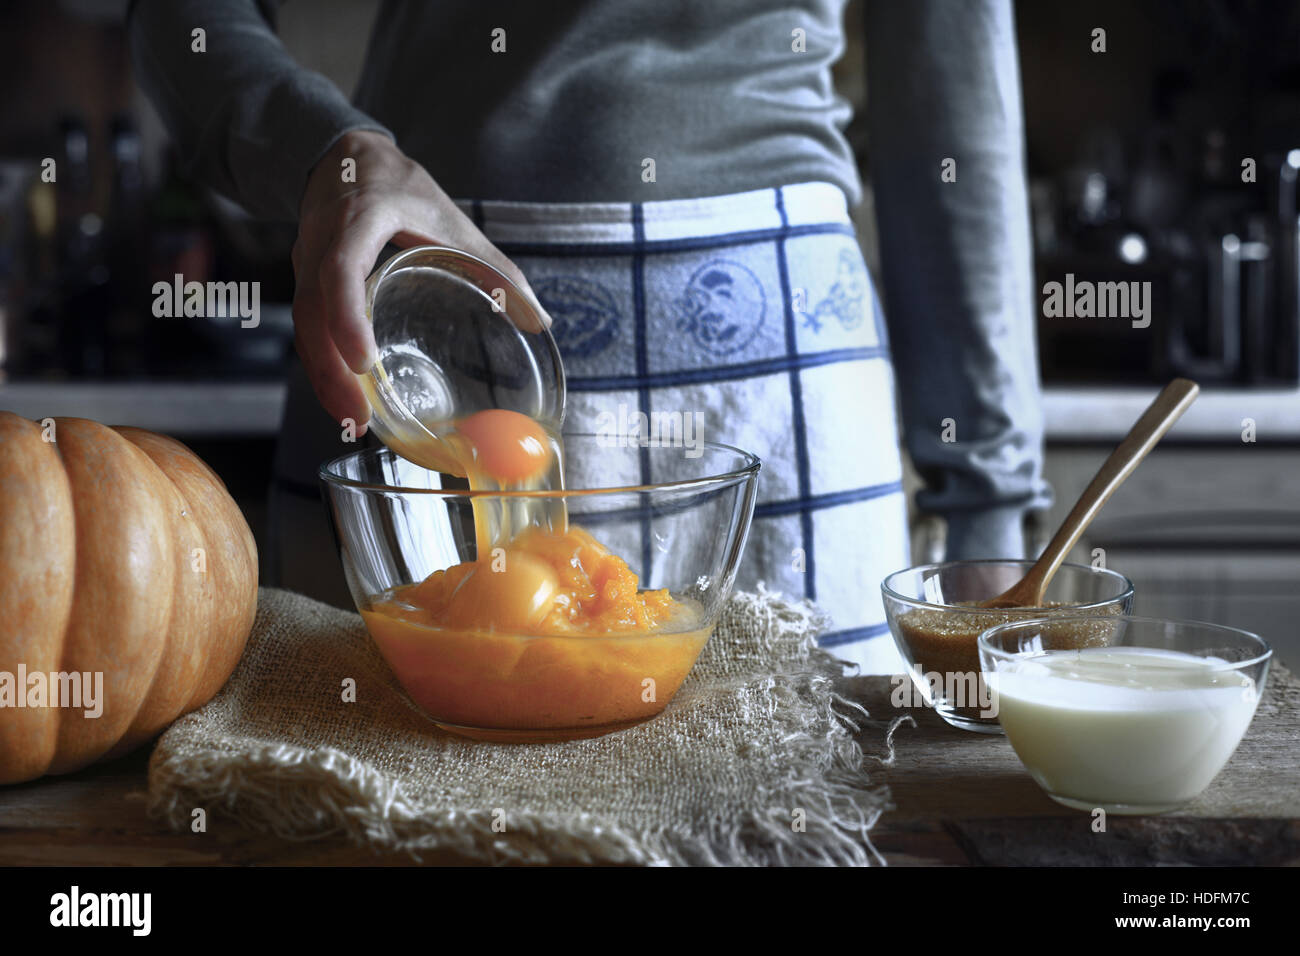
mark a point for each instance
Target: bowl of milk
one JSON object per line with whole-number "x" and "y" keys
{"x": 1136, "y": 721}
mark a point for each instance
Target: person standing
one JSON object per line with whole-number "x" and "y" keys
{"x": 671, "y": 183}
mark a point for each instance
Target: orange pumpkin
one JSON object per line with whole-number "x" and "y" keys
{"x": 121, "y": 553}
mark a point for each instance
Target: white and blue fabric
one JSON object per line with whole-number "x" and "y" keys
{"x": 756, "y": 312}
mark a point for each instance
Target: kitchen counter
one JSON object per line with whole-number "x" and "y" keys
{"x": 1096, "y": 414}
{"x": 1105, "y": 414}
{"x": 201, "y": 409}
{"x": 959, "y": 799}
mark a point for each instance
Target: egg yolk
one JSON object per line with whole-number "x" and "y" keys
{"x": 507, "y": 446}
{"x": 512, "y": 591}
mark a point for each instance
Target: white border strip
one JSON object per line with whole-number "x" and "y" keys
{"x": 708, "y": 216}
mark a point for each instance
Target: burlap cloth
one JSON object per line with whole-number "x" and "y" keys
{"x": 751, "y": 763}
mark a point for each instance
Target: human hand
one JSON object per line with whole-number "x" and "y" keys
{"x": 342, "y": 227}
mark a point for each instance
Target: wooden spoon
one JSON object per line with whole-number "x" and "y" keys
{"x": 1150, "y": 428}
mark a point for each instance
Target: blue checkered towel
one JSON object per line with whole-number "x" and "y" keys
{"x": 755, "y": 309}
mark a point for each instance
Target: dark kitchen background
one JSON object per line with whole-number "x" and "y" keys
{"x": 1135, "y": 158}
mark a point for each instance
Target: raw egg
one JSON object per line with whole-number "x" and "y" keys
{"x": 508, "y": 446}
{"x": 512, "y": 591}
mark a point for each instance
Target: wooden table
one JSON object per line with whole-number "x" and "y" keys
{"x": 960, "y": 798}
{"x": 965, "y": 798}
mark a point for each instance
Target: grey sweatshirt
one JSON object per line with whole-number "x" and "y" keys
{"x": 716, "y": 93}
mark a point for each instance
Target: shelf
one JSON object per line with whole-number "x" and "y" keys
{"x": 1106, "y": 414}
{"x": 207, "y": 409}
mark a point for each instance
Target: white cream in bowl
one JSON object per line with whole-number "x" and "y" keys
{"x": 1126, "y": 729}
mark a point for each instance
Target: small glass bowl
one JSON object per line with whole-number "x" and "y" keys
{"x": 396, "y": 523}
{"x": 453, "y": 337}
{"x": 1131, "y": 715}
{"x": 936, "y": 630}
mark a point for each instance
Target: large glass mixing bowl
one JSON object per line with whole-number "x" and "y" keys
{"x": 397, "y": 523}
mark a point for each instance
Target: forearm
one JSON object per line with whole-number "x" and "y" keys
{"x": 246, "y": 118}
{"x": 956, "y": 259}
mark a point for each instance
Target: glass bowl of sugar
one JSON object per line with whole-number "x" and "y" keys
{"x": 935, "y": 619}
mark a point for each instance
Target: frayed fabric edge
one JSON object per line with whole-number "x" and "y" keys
{"x": 827, "y": 823}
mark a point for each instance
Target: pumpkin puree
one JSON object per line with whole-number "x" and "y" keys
{"x": 548, "y": 633}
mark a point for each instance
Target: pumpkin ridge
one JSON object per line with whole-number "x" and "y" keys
{"x": 136, "y": 729}
{"x": 37, "y": 589}
{"x": 133, "y": 729}
{"x": 120, "y": 641}
{"x": 207, "y": 503}
{"x": 67, "y": 616}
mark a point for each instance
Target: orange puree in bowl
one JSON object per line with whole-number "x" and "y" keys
{"x": 548, "y": 634}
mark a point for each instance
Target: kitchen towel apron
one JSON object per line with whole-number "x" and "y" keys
{"x": 754, "y": 315}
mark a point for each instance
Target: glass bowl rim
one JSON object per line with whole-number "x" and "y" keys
{"x": 1001, "y": 654}
{"x": 747, "y": 472}
{"x": 1027, "y": 563}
